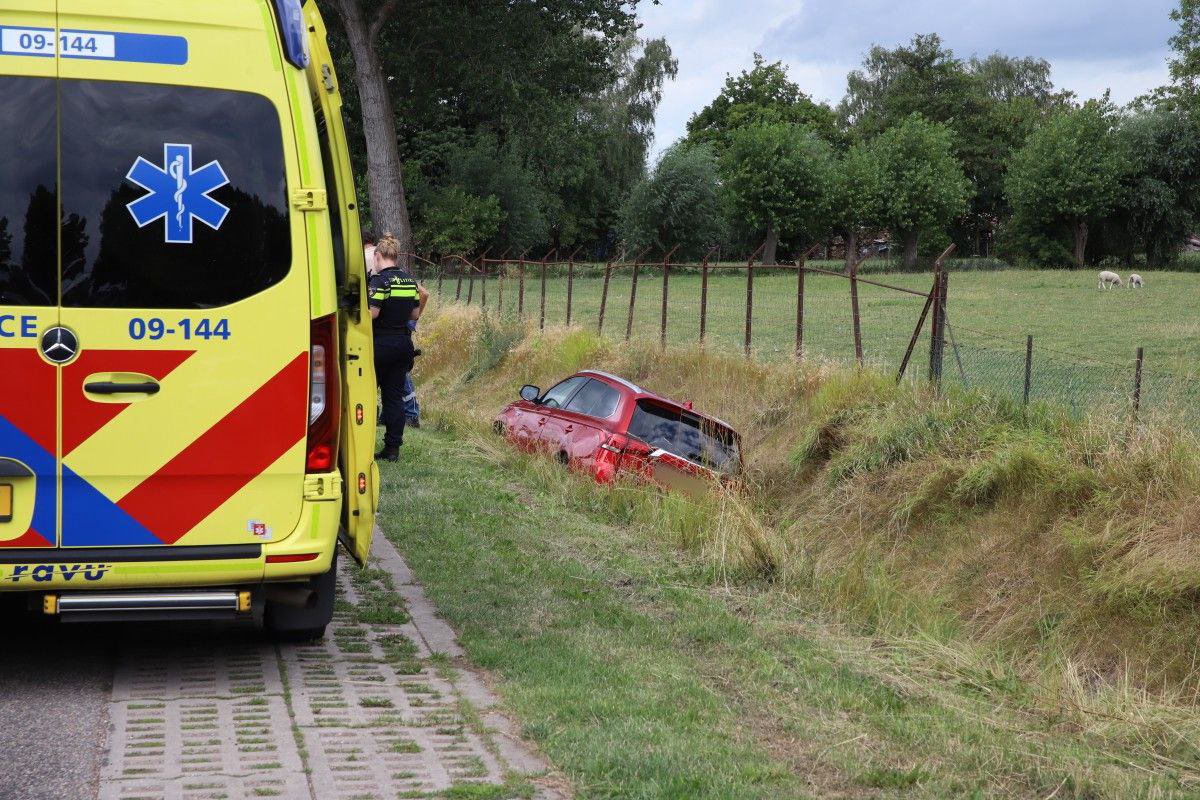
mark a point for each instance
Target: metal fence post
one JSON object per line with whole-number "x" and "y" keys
{"x": 662, "y": 335}
{"x": 937, "y": 339}
{"x": 482, "y": 282}
{"x": 703, "y": 298}
{"x": 439, "y": 280}
{"x": 571, "y": 283}
{"x": 750, "y": 297}
{"x": 521, "y": 290}
{"x": 458, "y": 288}
{"x": 470, "y": 280}
{"x": 604, "y": 297}
{"x": 542, "y": 307}
{"x": 1028, "y": 369}
{"x": 856, "y": 319}
{"x": 632, "y": 300}
{"x": 800, "y": 309}
{"x": 500, "y": 270}
{"x": 1137, "y": 382}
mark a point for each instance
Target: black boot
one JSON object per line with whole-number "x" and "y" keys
{"x": 388, "y": 454}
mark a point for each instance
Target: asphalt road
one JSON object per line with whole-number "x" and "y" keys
{"x": 55, "y": 683}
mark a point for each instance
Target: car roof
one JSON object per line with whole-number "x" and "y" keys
{"x": 649, "y": 395}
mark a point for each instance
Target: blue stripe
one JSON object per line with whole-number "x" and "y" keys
{"x": 90, "y": 519}
{"x": 14, "y": 443}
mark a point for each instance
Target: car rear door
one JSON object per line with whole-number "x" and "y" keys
{"x": 184, "y": 277}
{"x": 28, "y": 275}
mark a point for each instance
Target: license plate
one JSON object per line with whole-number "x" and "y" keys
{"x": 6, "y": 502}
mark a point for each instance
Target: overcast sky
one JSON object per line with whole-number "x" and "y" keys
{"x": 1093, "y": 45}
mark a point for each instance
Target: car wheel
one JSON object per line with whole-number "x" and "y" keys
{"x": 563, "y": 458}
{"x": 498, "y": 428}
{"x": 293, "y": 623}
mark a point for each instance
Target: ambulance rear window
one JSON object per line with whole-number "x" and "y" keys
{"x": 172, "y": 196}
{"x": 28, "y": 193}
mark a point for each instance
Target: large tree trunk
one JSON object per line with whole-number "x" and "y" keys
{"x": 850, "y": 240}
{"x": 910, "y": 238}
{"x": 1081, "y": 237}
{"x": 385, "y": 179}
{"x": 771, "y": 245}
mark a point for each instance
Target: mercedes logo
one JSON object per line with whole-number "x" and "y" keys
{"x": 59, "y": 345}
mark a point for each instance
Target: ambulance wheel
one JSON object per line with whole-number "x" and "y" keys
{"x": 292, "y": 623}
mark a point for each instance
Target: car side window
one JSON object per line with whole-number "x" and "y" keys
{"x": 560, "y": 394}
{"x": 596, "y": 399}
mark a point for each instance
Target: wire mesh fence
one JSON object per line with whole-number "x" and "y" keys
{"x": 897, "y": 323}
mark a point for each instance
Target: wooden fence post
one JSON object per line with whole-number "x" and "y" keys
{"x": 470, "y": 279}
{"x": 750, "y": 297}
{"x": 604, "y": 297}
{"x": 458, "y": 288}
{"x": 521, "y": 290}
{"x": 855, "y": 317}
{"x": 482, "y": 283}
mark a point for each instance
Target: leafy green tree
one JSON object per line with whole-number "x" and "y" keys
{"x": 488, "y": 169}
{"x": 456, "y": 222}
{"x": 1158, "y": 205}
{"x": 1185, "y": 65}
{"x": 776, "y": 177}
{"x": 854, "y": 199}
{"x": 679, "y": 204}
{"x": 761, "y": 95}
{"x": 921, "y": 184}
{"x": 1068, "y": 175}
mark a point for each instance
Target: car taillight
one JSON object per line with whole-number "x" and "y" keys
{"x": 324, "y": 410}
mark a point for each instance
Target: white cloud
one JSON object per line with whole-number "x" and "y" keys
{"x": 1093, "y": 45}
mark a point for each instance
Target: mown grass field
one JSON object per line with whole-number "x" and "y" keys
{"x": 1085, "y": 339}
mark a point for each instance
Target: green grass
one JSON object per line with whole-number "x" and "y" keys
{"x": 642, "y": 672}
{"x": 1085, "y": 339}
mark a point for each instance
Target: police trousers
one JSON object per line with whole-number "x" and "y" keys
{"x": 393, "y": 361}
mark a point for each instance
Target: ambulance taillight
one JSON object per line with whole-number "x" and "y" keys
{"x": 324, "y": 411}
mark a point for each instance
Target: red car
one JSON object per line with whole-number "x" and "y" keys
{"x": 607, "y": 427}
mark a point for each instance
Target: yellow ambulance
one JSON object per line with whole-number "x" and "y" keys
{"x": 187, "y": 395}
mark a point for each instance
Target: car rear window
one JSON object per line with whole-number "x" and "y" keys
{"x": 686, "y": 435}
{"x": 595, "y": 399}
{"x": 177, "y": 249}
{"x": 28, "y": 193}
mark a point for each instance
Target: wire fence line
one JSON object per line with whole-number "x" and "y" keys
{"x": 804, "y": 311}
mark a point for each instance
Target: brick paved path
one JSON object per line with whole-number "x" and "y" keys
{"x": 383, "y": 707}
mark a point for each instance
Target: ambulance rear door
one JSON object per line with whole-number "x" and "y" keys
{"x": 28, "y": 276}
{"x": 184, "y": 278}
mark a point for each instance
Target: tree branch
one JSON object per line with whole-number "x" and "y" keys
{"x": 380, "y": 20}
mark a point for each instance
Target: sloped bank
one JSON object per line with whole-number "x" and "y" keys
{"x": 1070, "y": 548}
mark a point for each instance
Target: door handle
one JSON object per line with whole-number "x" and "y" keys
{"x": 542, "y": 421}
{"x": 569, "y": 428}
{"x": 110, "y": 387}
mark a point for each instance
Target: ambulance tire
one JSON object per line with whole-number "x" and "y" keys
{"x": 291, "y": 623}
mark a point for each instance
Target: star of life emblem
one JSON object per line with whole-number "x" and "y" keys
{"x": 178, "y": 195}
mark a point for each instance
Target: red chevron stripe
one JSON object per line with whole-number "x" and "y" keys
{"x": 29, "y": 538}
{"x": 82, "y": 416}
{"x": 29, "y": 400}
{"x": 228, "y": 456}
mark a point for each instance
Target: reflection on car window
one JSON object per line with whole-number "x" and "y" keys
{"x": 686, "y": 435}
{"x": 558, "y": 395}
{"x": 29, "y": 193}
{"x": 596, "y": 399}
{"x": 114, "y": 258}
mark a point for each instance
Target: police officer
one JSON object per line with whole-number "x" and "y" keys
{"x": 396, "y": 299}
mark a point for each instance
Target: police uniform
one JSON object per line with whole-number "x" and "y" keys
{"x": 394, "y": 292}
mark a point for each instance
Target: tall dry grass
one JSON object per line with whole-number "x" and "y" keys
{"x": 1071, "y": 547}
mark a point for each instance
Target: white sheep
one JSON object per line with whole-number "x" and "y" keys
{"x": 1109, "y": 280}
{"x": 1135, "y": 281}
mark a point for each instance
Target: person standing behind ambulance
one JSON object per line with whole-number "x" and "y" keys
{"x": 395, "y": 299}
{"x": 368, "y": 241}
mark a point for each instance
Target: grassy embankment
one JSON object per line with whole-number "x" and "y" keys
{"x": 916, "y": 595}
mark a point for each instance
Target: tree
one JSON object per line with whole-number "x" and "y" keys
{"x": 1068, "y": 174}
{"x": 921, "y": 184}
{"x": 389, "y": 207}
{"x": 456, "y": 222}
{"x": 854, "y": 198}
{"x": 1185, "y": 65}
{"x": 776, "y": 176}
{"x": 1158, "y": 205}
{"x": 679, "y": 204}
{"x": 760, "y": 95}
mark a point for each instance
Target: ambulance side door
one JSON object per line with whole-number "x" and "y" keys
{"x": 358, "y": 365}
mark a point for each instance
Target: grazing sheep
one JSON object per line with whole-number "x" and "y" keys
{"x": 1109, "y": 280}
{"x": 1135, "y": 281}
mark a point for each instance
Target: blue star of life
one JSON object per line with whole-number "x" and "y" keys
{"x": 178, "y": 194}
